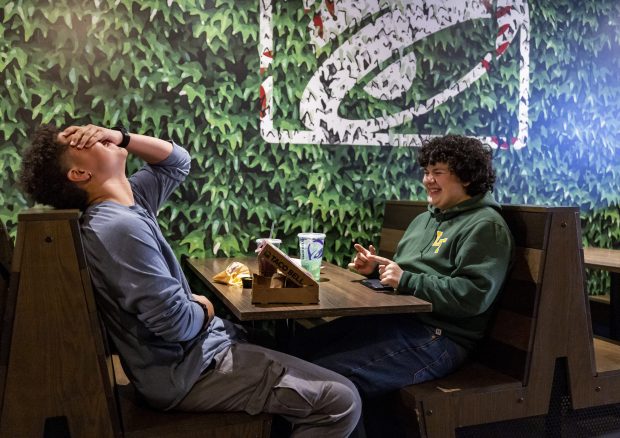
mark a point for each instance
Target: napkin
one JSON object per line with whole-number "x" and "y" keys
{"x": 233, "y": 274}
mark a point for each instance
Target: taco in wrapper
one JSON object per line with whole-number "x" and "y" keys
{"x": 233, "y": 274}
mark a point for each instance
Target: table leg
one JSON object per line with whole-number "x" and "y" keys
{"x": 614, "y": 305}
{"x": 284, "y": 332}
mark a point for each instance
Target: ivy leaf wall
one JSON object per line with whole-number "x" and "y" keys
{"x": 189, "y": 70}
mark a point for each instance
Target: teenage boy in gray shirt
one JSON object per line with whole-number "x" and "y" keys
{"x": 176, "y": 352}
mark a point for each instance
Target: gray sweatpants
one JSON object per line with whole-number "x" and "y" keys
{"x": 254, "y": 379}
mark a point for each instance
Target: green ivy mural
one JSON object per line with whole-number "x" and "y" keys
{"x": 190, "y": 70}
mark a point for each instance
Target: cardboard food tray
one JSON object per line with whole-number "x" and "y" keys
{"x": 292, "y": 285}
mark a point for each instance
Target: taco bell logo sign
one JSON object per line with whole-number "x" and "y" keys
{"x": 366, "y": 45}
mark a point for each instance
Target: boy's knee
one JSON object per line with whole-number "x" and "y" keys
{"x": 343, "y": 401}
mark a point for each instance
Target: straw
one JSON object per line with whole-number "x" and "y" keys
{"x": 311, "y": 224}
{"x": 271, "y": 231}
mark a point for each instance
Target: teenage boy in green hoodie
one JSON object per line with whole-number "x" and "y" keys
{"x": 456, "y": 256}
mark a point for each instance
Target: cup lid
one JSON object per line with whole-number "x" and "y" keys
{"x": 311, "y": 235}
{"x": 262, "y": 239}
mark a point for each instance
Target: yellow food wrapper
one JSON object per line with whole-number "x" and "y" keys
{"x": 233, "y": 274}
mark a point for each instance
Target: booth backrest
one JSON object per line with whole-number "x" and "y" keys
{"x": 61, "y": 379}
{"x": 6, "y": 253}
{"x": 56, "y": 360}
{"x": 508, "y": 346}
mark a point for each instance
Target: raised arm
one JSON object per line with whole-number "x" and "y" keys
{"x": 150, "y": 149}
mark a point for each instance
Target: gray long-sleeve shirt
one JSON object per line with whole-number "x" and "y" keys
{"x": 142, "y": 294}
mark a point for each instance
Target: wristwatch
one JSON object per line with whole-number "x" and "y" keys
{"x": 126, "y": 136}
{"x": 206, "y": 322}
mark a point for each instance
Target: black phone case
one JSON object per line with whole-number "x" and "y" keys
{"x": 375, "y": 284}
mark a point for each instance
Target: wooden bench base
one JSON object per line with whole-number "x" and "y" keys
{"x": 470, "y": 396}
{"x": 141, "y": 421}
{"x": 607, "y": 355}
{"x": 59, "y": 372}
{"x": 512, "y": 375}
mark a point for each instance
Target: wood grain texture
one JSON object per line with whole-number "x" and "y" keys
{"x": 59, "y": 364}
{"x": 6, "y": 254}
{"x": 512, "y": 329}
{"x": 140, "y": 421}
{"x": 514, "y": 322}
{"x": 340, "y": 294}
{"x": 542, "y": 315}
{"x": 607, "y": 353}
{"x": 6, "y": 251}
{"x": 600, "y": 258}
{"x": 389, "y": 241}
{"x": 6, "y": 304}
{"x": 527, "y": 265}
{"x": 53, "y": 367}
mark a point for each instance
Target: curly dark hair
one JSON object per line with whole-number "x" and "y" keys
{"x": 467, "y": 157}
{"x": 43, "y": 175}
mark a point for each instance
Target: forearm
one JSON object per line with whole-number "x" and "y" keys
{"x": 207, "y": 307}
{"x": 454, "y": 297}
{"x": 150, "y": 149}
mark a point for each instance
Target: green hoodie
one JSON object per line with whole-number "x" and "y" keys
{"x": 457, "y": 259}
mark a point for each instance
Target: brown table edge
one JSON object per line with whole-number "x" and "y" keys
{"x": 207, "y": 283}
{"x": 388, "y": 310}
{"x": 590, "y": 253}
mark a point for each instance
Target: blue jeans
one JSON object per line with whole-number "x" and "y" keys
{"x": 381, "y": 354}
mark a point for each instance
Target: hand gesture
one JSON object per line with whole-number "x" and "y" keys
{"x": 84, "y": 137}
{"x": 389, "y": 271}
{"x": 361, "y": 263}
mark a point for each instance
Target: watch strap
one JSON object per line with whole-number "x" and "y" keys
{"x": 205, "y": 324}
{"x": 126, "y": 136}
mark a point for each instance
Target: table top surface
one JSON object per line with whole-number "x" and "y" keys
{"x": 340, "y": 294}
{"x": 601, "y": 258}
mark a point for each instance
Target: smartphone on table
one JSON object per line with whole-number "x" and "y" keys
{"x": 375, "y": 284}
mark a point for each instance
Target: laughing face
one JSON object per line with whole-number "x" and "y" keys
{"x": 101, "y": 161}
{"x": 444, "y": 189}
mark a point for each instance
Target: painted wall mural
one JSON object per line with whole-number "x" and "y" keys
{"x": 338, "y": 84}
{"x": 367, "y": 46}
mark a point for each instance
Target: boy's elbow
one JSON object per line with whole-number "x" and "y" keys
{"x": 186, "y": 164}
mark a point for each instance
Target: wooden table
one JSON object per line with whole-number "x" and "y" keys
{"x": 340, "y": 294}
{"x": 608, "y": 260}
{"x": 600, "y": 258}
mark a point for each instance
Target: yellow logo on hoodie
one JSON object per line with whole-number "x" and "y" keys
{"x": 439, "y": 241}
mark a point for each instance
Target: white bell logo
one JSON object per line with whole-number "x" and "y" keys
{"x": 397, "y": 25}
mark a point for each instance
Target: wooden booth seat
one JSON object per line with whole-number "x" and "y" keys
{"x": 502, "y": 368}
{"x": 6, "y": 254}
{"x": 542, "y": 315}
{"x": 61, "y": 379}
{"x": 59, "y": 375}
